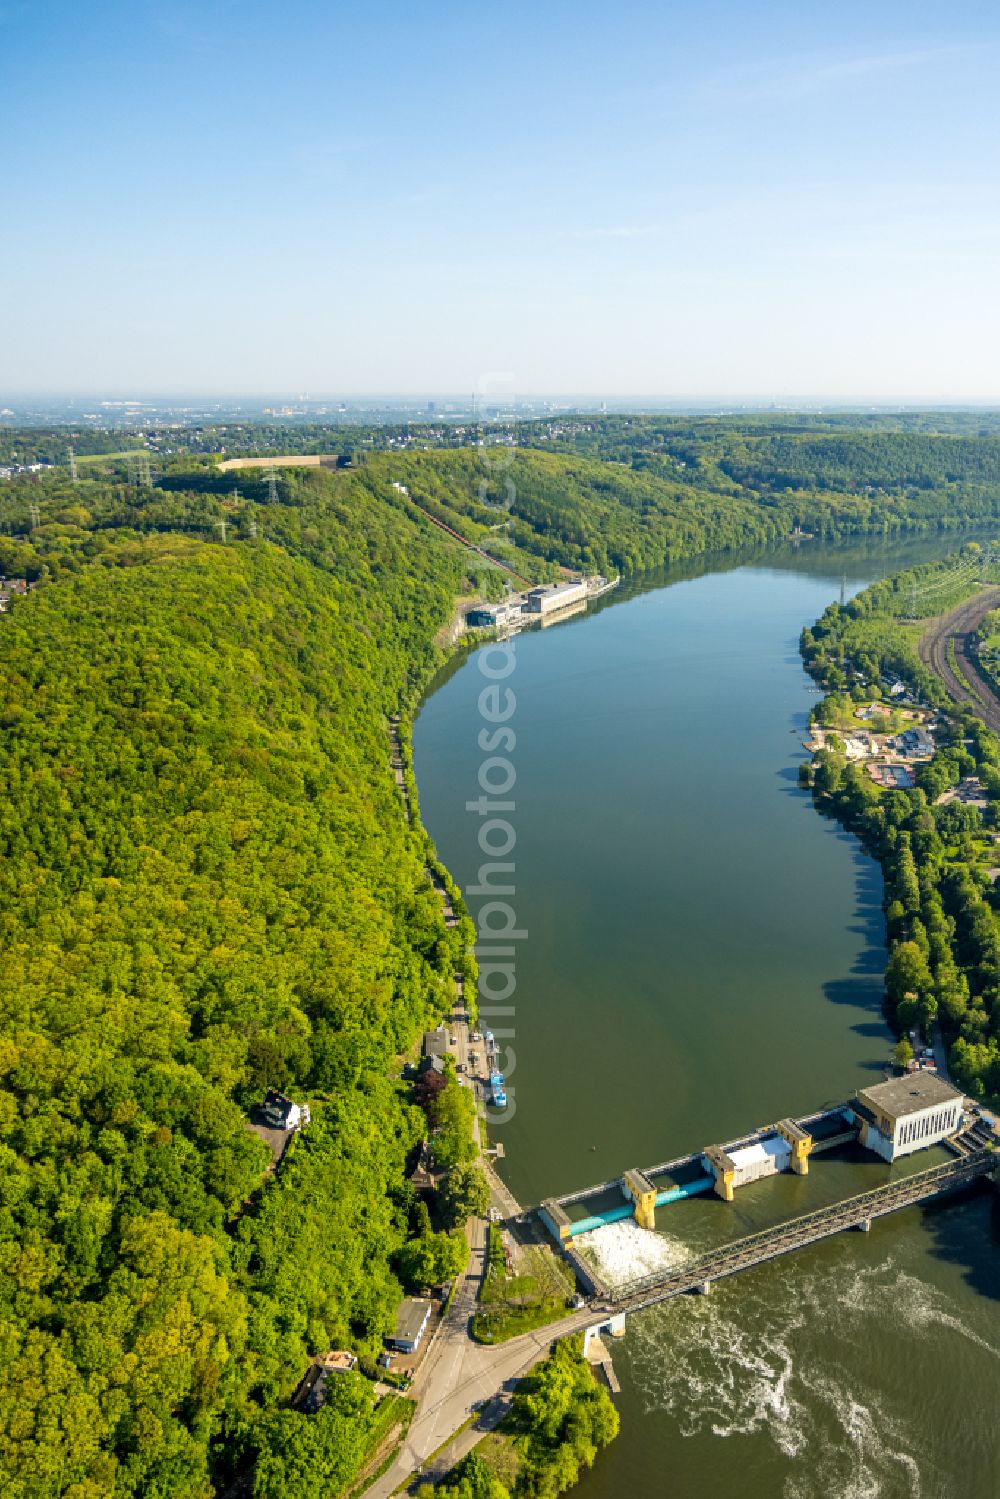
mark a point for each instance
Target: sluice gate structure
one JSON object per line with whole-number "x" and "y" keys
{"x": 784, "y": 1238}
{"x": 888, "y": 1115}
{"x": 785, "y": 1146}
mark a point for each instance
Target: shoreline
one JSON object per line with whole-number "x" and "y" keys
{"x": 731, "y": 558}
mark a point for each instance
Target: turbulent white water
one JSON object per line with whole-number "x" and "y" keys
{"x": 796, "y": 1366}
{"x": 621, "y": 1252}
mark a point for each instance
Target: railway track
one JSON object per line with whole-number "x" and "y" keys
{"x": 967, "y": 684}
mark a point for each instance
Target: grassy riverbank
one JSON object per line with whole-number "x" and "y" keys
{"x": 530, "y": 1294}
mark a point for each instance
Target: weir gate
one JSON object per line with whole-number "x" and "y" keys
{"x": 787, "y": 1145}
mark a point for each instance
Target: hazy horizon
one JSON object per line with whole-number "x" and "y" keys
{"x": 589, "y": 400}
{"x": 698, "y": 204}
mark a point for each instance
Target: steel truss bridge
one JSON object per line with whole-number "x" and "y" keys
{"x": 978, "y": 1160}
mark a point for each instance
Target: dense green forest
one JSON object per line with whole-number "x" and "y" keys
{"x": 209, "y": 886}
{"x": 615, "y": 518}
{"x": 942, "y": 906}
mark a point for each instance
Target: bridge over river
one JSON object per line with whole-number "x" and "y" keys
{"x": 784, "y": 1238}
{"x": 787, "y": 1145}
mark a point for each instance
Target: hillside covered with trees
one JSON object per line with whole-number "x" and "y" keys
{"x": 209, "y": 886}
{"x": 630, "y": 517}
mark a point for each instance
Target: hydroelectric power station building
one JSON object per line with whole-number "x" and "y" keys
{"x": 907, "y": 1114}
{"x": 547, "y": 598}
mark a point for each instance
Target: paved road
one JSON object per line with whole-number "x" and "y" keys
{"x": 940, "y": 1052}
{"x": 968, "y": 686}
{"x": 488, "y": 1419}
{"x": 502, "y": 1197}
{"x": 459, "y": 1374}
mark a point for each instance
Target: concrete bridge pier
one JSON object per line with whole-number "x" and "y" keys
{"x": 865, "y": 1225}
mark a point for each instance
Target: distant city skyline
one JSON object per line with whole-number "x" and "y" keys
{"x": 689, "y": 204}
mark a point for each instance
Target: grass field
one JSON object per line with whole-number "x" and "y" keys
{"x": 536, "y": 1295}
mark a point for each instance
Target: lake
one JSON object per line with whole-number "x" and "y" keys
{"x": 703, "y": 954}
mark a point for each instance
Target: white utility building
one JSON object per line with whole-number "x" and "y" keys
{"x": 763, "y": 1158}
{"x": 907, "y": 1113}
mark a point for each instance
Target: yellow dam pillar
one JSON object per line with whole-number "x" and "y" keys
{"x": 801, "y": 1144}
{"x": 643, "y": 1197}
{"x": 723, "y": 1168}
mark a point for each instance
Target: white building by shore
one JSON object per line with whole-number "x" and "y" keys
{"x": 907, "y": 1114}
{"x": 549, "y": 597}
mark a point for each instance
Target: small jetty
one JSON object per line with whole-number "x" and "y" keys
{"x": 598, "y": 1355}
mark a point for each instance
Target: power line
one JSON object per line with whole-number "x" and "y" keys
{"x": 962, "y": 573}
{"x": 139, "y": 474}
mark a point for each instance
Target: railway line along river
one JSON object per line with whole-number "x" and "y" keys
{"x": 704, "y": 954}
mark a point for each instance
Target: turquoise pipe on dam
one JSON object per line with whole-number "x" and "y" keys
{"x": 690, "y": 1189}
{"x": 616, "y": 1215}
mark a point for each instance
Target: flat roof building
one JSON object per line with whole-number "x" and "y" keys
{"x": 548, "y": 597}
{"x": 411, "y": 1322}
{"x": 907, "y": 1113}
{"x": 489, "y": 616}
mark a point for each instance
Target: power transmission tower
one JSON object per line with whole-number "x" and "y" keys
{"x": 138, "y": 470}
{"x": 36, "y": 517}
{"x": 72, "y": 467}
{"x": 252, "y": 526}
{"x": 220, "y": 526}
{"x": 272, "y": 486}
{"x": 843, "y": 590}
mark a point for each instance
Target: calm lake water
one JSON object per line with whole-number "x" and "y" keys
{"x": 704, "y": 954}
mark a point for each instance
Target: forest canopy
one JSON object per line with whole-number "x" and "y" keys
{"x": 209, "y": 886}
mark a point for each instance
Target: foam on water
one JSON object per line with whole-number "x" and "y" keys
{"x": 730, "y": 1379}
{"x": 858, "y": 1451}
{"x": 786, "y": 1362}
{"x": 622, "y": 1252}
{"x": 914, "y": 1303}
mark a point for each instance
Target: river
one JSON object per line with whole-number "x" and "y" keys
{"x": 704, "y": 954}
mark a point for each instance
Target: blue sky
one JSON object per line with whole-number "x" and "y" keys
{"x": 689, "y": 199}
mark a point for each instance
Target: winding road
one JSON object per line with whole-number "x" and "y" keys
{"x": 968, "y": 685}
